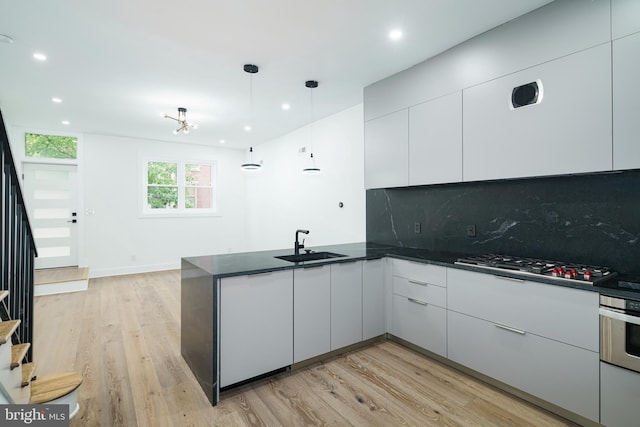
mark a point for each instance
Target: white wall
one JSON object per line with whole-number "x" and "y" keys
{"x": 257, "y": 211}
{"x": 119, "y": 241}
{"x": 280, "y": 198}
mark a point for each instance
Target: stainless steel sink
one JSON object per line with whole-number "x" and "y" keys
{"x": 311, "y": 256}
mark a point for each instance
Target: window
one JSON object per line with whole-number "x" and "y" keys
{"x": 50, "y": 146}
{"x": 178, "y": 187}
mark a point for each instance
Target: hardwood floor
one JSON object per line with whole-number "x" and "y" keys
{"x": 123, "y": 337}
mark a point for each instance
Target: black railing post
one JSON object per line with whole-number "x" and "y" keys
{"x": 18, "y": 246}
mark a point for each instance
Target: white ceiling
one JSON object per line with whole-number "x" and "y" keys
{"x": 118, "y": 64}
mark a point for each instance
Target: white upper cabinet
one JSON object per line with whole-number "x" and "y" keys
{"x": 386, "y": 151}
{"x": 569, "y": 131}
{"x": 553, "y": 31}
{"x": 625, "y": 17}
{"x": 626, "y": 109}
{"x": 435, "y": 141}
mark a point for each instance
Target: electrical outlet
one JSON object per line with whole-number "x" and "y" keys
{"x": 471, "y": 230}
{"x": 417, "y": 228}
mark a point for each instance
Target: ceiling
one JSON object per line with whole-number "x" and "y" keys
{"x": 118, "y": 65}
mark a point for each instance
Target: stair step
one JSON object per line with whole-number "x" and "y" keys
{"x": 51, "y": 387}
{"x": 6, "y": 329}
{"x": 27, "y": 373}
{"x": 3, "y": 294}
{"x": 18, "y": 351}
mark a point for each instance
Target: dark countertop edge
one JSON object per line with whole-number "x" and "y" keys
{"x": 353, "y": 252}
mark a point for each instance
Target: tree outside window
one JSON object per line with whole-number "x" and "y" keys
{"x": 179, "y": 187}
{"x": 162, "y": 185}
{"x": 50, "y": 146}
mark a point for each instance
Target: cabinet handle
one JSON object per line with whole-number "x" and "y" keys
{"x": 507, "y": 328}
{"x": 416, "y": 282}
{"x": 513, "y": 279}
{"x": 259, "y": 274}
{"x": 417, "y": 301}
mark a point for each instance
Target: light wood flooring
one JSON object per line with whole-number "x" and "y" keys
{"x": 123, "y": 337}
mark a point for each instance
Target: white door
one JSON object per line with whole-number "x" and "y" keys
{"x": 50, "y": 193}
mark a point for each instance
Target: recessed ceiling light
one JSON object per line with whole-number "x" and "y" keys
{"x": 395, "y": 34}
{"x": 5, "y": 39}
{"x": 66, "y": 122}
{"x": 247, "y": 128}
{"x": 40, "y": 56}
{"x": 222, "y": 141}
{"x": 286, "y": 106}
{"x": 56, "y": 100}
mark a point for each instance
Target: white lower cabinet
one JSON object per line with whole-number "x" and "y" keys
{"x": 420, "y": 323}
{"x": 311, "y": 312}
{"x": 346, "y": 304}
{"x": 373, "y": 312}
{"x": 559, "y": 373}
{"x": 256, "y": 327}
{"x": 418, "y": 305}
{"x": 619, "y": 394}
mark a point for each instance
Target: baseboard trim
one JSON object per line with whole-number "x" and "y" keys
{"x": 121, "y": 271}
{"x": 60, "y": 287}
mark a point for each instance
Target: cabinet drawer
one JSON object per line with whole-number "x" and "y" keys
{"x": 422, "y": 325}
{"x": 562, "y": 374}
{"x": 619, "y": 391}
{"x": 424, "y": 292}
{"x": 419, "y": 272}
{"x": 560, "y": 313}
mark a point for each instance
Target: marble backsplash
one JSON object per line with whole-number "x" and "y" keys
{"x": 592, "y": 219}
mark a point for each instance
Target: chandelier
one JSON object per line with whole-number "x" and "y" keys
{"x": 183, "y": 125}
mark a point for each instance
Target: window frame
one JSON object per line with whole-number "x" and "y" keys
{"x": 181, "y": 210}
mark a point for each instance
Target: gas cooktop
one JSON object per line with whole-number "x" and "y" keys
{"x": 575, "y": 273}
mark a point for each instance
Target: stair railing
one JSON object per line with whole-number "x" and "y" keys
{"x": 18, "y": 247}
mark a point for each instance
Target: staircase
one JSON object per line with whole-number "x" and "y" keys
{"x": 18, "y": 383}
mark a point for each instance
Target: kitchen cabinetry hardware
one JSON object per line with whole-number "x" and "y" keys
{"x": 507, "y": 328}
{"x": 619, "y": 316}
{"x": 266, "y": 273}
{"x": 417, "y": 282}
{"x": 512, "y": 279}
{"x": 417, "y": 301}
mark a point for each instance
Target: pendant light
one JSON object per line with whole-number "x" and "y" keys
{"x": 312, "y": 169}
{"x": 250, "y": 69}
{"x": 251, "y": 165}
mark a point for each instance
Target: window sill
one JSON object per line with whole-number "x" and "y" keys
{"x": 158, "y": 215}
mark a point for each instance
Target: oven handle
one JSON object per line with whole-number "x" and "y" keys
{"x": 619, "y": 316}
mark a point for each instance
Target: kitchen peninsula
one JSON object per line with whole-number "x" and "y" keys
{"x": 252, "y": 314}
{"x": 204, "y": 278}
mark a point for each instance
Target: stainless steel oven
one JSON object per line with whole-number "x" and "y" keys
{"x": 620, "y": 332}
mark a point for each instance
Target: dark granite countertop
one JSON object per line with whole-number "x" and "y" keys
{"x": 237, "y": 264}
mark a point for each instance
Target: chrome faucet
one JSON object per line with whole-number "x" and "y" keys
{"x": 297, "y": 246}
